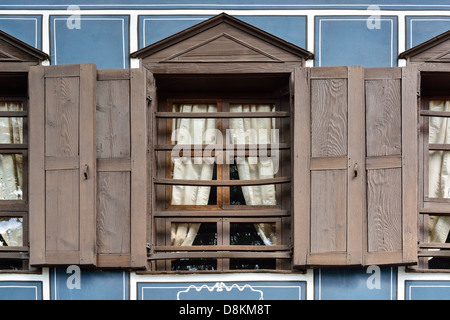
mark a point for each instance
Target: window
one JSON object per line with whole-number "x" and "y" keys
{"x": 434, "y": 220}
{"x": 13, "y": 181}
{"x": 222, "y": 184}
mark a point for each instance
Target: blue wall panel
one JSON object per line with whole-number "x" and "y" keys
{"x": 155, "y": 28}
{"x": 372, "y": 283}
{"x": 20, "y": 290}
{"x": 24, "y": 27}
{"x": 427, "y": 290}
{"x": 222, "y": 291}
{"x": 421, "y": 29}
{"x": 364, "y": 41}
{"x": 103, "y": 40}
{"x": 66, "y": 284}
{"x": 230, "y": 4}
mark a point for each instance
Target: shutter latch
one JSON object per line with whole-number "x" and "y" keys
{"x": 86, "y": 172}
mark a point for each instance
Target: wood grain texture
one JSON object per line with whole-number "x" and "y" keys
{"x": 113, "y": 212}
{"x": 62, "y": 116}
{"x": 383, "y": 117}
{"x": 328, "y": 211}
{"x": 62, "y": 220}
{"x": 329, "y": 117}
{"x": 384, "y": 206}
{"x": 113, "y": 119}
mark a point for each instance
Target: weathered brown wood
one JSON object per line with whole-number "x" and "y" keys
{"x": 410, "y": 164}
{"x": 329, "y": 117}
{"x": 220, "y": 255}
{"x": 223, "y": 213}
{"x": 256, "y": 182}
{"x": 384, "y": 210}
{"x": 63, "y": 154}
{"x": 328, "y": 211}
{"x": 37, "y": 166}
{"x": 219, "y": 115}
{"x": 383, "y": 162}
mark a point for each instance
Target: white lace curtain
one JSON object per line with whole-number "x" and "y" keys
{"x": 11, "y": 173}
{"x": 202, "y": 131}
{"x": 439, "y": 169}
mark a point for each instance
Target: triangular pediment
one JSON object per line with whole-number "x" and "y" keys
{"x": 436, "y": 49}
{"x": 220, "y": 39}
{"x": 15, "y": 50}
{"x": 222, "y": 48}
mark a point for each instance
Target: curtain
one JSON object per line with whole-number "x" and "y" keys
{"x": 439, "y": 169}
{"x": 11, "y": 173}
{"x": 256, "y": 131}
{"x": 191, "y": 131}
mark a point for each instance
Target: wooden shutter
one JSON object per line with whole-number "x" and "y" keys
{"x": 391, "y": 163}
{"x": 62, "y": 165}
{"x": 353, "y": 208}
{"x": 122, "y": 168}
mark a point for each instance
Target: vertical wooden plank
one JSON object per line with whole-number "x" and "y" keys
{"x": 88, "y": 162}
{"x": 36, "y": 165}
{"x": 328, "y": 211}
{"x": 356, "y": 195}
{"x": 300, "y": 164}
{"x": 410, "y": 167}
{"x": 139, "y": 154}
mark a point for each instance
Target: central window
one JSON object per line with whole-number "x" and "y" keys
{"x": 221, "y": 184}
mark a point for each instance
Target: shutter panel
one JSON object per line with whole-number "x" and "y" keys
{"x": 62, "y": 165}
{"x": 391, "y": 143}
{"x": 337, "y": 164}
{"x": 364, "y": 214}
{"x": 122, "y": 166}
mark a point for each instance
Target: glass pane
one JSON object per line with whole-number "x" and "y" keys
{"x": 252, "y": 264}
{"x": 11, "y": 130}
{"x": 194, "y": 169}
{"x": 11, "y": 176}
{"x": 11, "y": 232}
{"x": 253, "y": 234}
{"x": 439, "y": 174}
{"x": 193, "y": 264}
{"x": 194, "y": 234}
{"x": 264, "y": 195}
{"x": 11, "y": 106}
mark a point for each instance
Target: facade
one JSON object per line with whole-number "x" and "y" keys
{"x": 261, "y": 150}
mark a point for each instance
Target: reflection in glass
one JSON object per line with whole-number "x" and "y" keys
{"x": 11, "y": 176}
{"x": 11, "y": 231}
{"x": 253, "y": 234}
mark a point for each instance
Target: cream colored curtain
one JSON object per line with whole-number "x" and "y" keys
{"x": 439, "y": 169}
{"x": 191, "y": 131}
{"x": 256, "y": 131}
{"x": 11, "y": 172}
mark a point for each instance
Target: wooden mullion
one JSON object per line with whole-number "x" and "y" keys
{"x": 228, "y": 115}
{"x": 223, "y": 247}
{"x": 431, "y": 113}
{"x": 223, "y": 183}
{"x": 221, "y": 255}
{"x": 223, "y": 213}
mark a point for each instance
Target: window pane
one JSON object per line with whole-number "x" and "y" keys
{"x": 194, "y": 234}
{"x": 194, "y": 169}
{"x": 252, "y": 264}
{"x": 11, "y": 106}
{"x": 11, "y": 176}
{"x": 11, "y": 130}
{"x": 11, "y": 232}
{"x": 254, "y": 234}
{"x": 193, "y": 264}
{"x": 438, "y": 174}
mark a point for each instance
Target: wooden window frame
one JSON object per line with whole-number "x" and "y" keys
{"x": 223, "y": 213}
{"x": 429, "y": 206}
{"x": 17, "y": 208}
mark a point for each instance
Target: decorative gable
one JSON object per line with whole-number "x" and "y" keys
{"x": 12, "y": 49}
{"x": 222, "y": 39}
{"x": 434, "y": 50}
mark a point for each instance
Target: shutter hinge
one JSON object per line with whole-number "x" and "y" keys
{"x": 418, "y": 94}
{"x": 148, "y": 246}
{"x": 149, "y": 98}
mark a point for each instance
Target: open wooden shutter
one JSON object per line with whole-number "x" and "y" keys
{"x": 353, "y": 208}
{"x": 62, "y": 165}
{"x": 391, "y": 163}
{"x": 122, "y": 168}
